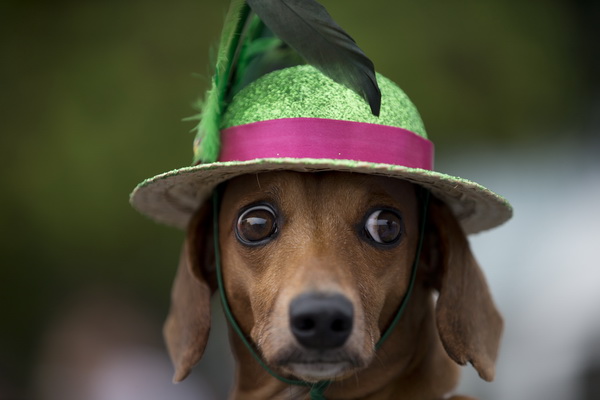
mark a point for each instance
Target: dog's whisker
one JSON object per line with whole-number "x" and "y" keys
{"x": 356, "y": 378}
{"x": 258, "y": 181}
{"x": 377, "y": 358}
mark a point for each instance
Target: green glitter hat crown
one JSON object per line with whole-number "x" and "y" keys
{"x": 304, "y": 92}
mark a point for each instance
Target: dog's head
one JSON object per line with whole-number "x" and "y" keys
{"x": 315, "y": 266}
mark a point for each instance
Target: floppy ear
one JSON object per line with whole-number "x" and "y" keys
{"x": 188, "y": 323}
{"x": 469, "y": 324}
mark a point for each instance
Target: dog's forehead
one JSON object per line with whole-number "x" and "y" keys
{"x": 320, "y": 186}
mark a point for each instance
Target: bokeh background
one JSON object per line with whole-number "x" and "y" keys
{"x": 92, "y": 97}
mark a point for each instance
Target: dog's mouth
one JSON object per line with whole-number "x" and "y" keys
{"x": 316, "y": 371}
{"x": 317, "y": 366}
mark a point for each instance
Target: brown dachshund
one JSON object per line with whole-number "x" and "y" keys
{"x": 315, "y": 266}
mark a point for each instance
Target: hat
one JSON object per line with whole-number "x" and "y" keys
{"x": 305, "y": 118}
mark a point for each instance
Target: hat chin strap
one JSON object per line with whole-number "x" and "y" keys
{"x": 316, "y": 390}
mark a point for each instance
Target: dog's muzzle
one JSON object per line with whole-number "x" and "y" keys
{"x": 321, "y": 321}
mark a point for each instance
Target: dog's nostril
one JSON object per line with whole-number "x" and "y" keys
{"x": 304, "y": 324}
{"x": 339, "y": 325}
{"x": 321, "y": 321}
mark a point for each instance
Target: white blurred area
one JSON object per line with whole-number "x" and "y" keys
{"x": 543, "y": 269}
{"x": 105, "y": 346}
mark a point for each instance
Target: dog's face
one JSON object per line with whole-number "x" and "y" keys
{"x": 316, "y": 265}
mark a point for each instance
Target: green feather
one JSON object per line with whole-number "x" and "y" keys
{"x": 263, "y": 52}
{"x": 207, "y": 140}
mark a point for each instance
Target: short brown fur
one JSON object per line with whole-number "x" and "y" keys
{"x": 319, "y": 248}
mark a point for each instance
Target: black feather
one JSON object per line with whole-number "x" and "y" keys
{"x": 307, "y": 27}
{"x": 261, "y": 52}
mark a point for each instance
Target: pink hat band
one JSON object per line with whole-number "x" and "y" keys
{"x": 318, "y": 138}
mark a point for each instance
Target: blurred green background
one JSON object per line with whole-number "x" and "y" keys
{"x": 92, "y": 95}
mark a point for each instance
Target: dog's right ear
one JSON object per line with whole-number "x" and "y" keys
{"x": 468, "y": 322}
{"x": 188, "y": 323}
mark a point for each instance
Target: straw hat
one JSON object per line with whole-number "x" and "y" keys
{"x": 300, "y": 119}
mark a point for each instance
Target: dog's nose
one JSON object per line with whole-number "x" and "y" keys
{"x": 320, "y": 321}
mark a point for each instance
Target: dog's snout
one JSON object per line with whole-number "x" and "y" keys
{"x": 321, "y": 321}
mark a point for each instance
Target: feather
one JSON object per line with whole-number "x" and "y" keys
{"x": 307, "y": 27}
{"x": 263, "y": 52}
{"x": 207, "y": 141}
{"x": 260, "y": 36}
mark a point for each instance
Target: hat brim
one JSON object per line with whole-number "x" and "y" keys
{"x": 173, "y": 197}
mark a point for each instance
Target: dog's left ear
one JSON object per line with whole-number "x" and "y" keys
{"x": 469, "y": 324}
{"x": 188, "y": 323}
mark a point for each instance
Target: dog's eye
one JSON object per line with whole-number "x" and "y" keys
{"x": 256, "y": 225}
{"x": 384, "y": 226}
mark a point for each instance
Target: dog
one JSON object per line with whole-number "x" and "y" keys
{"x": 315, "y": 266}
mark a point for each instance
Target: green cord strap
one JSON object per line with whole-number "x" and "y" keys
{"x": 316, "y": 389}
{"x": 413, "y": 273}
